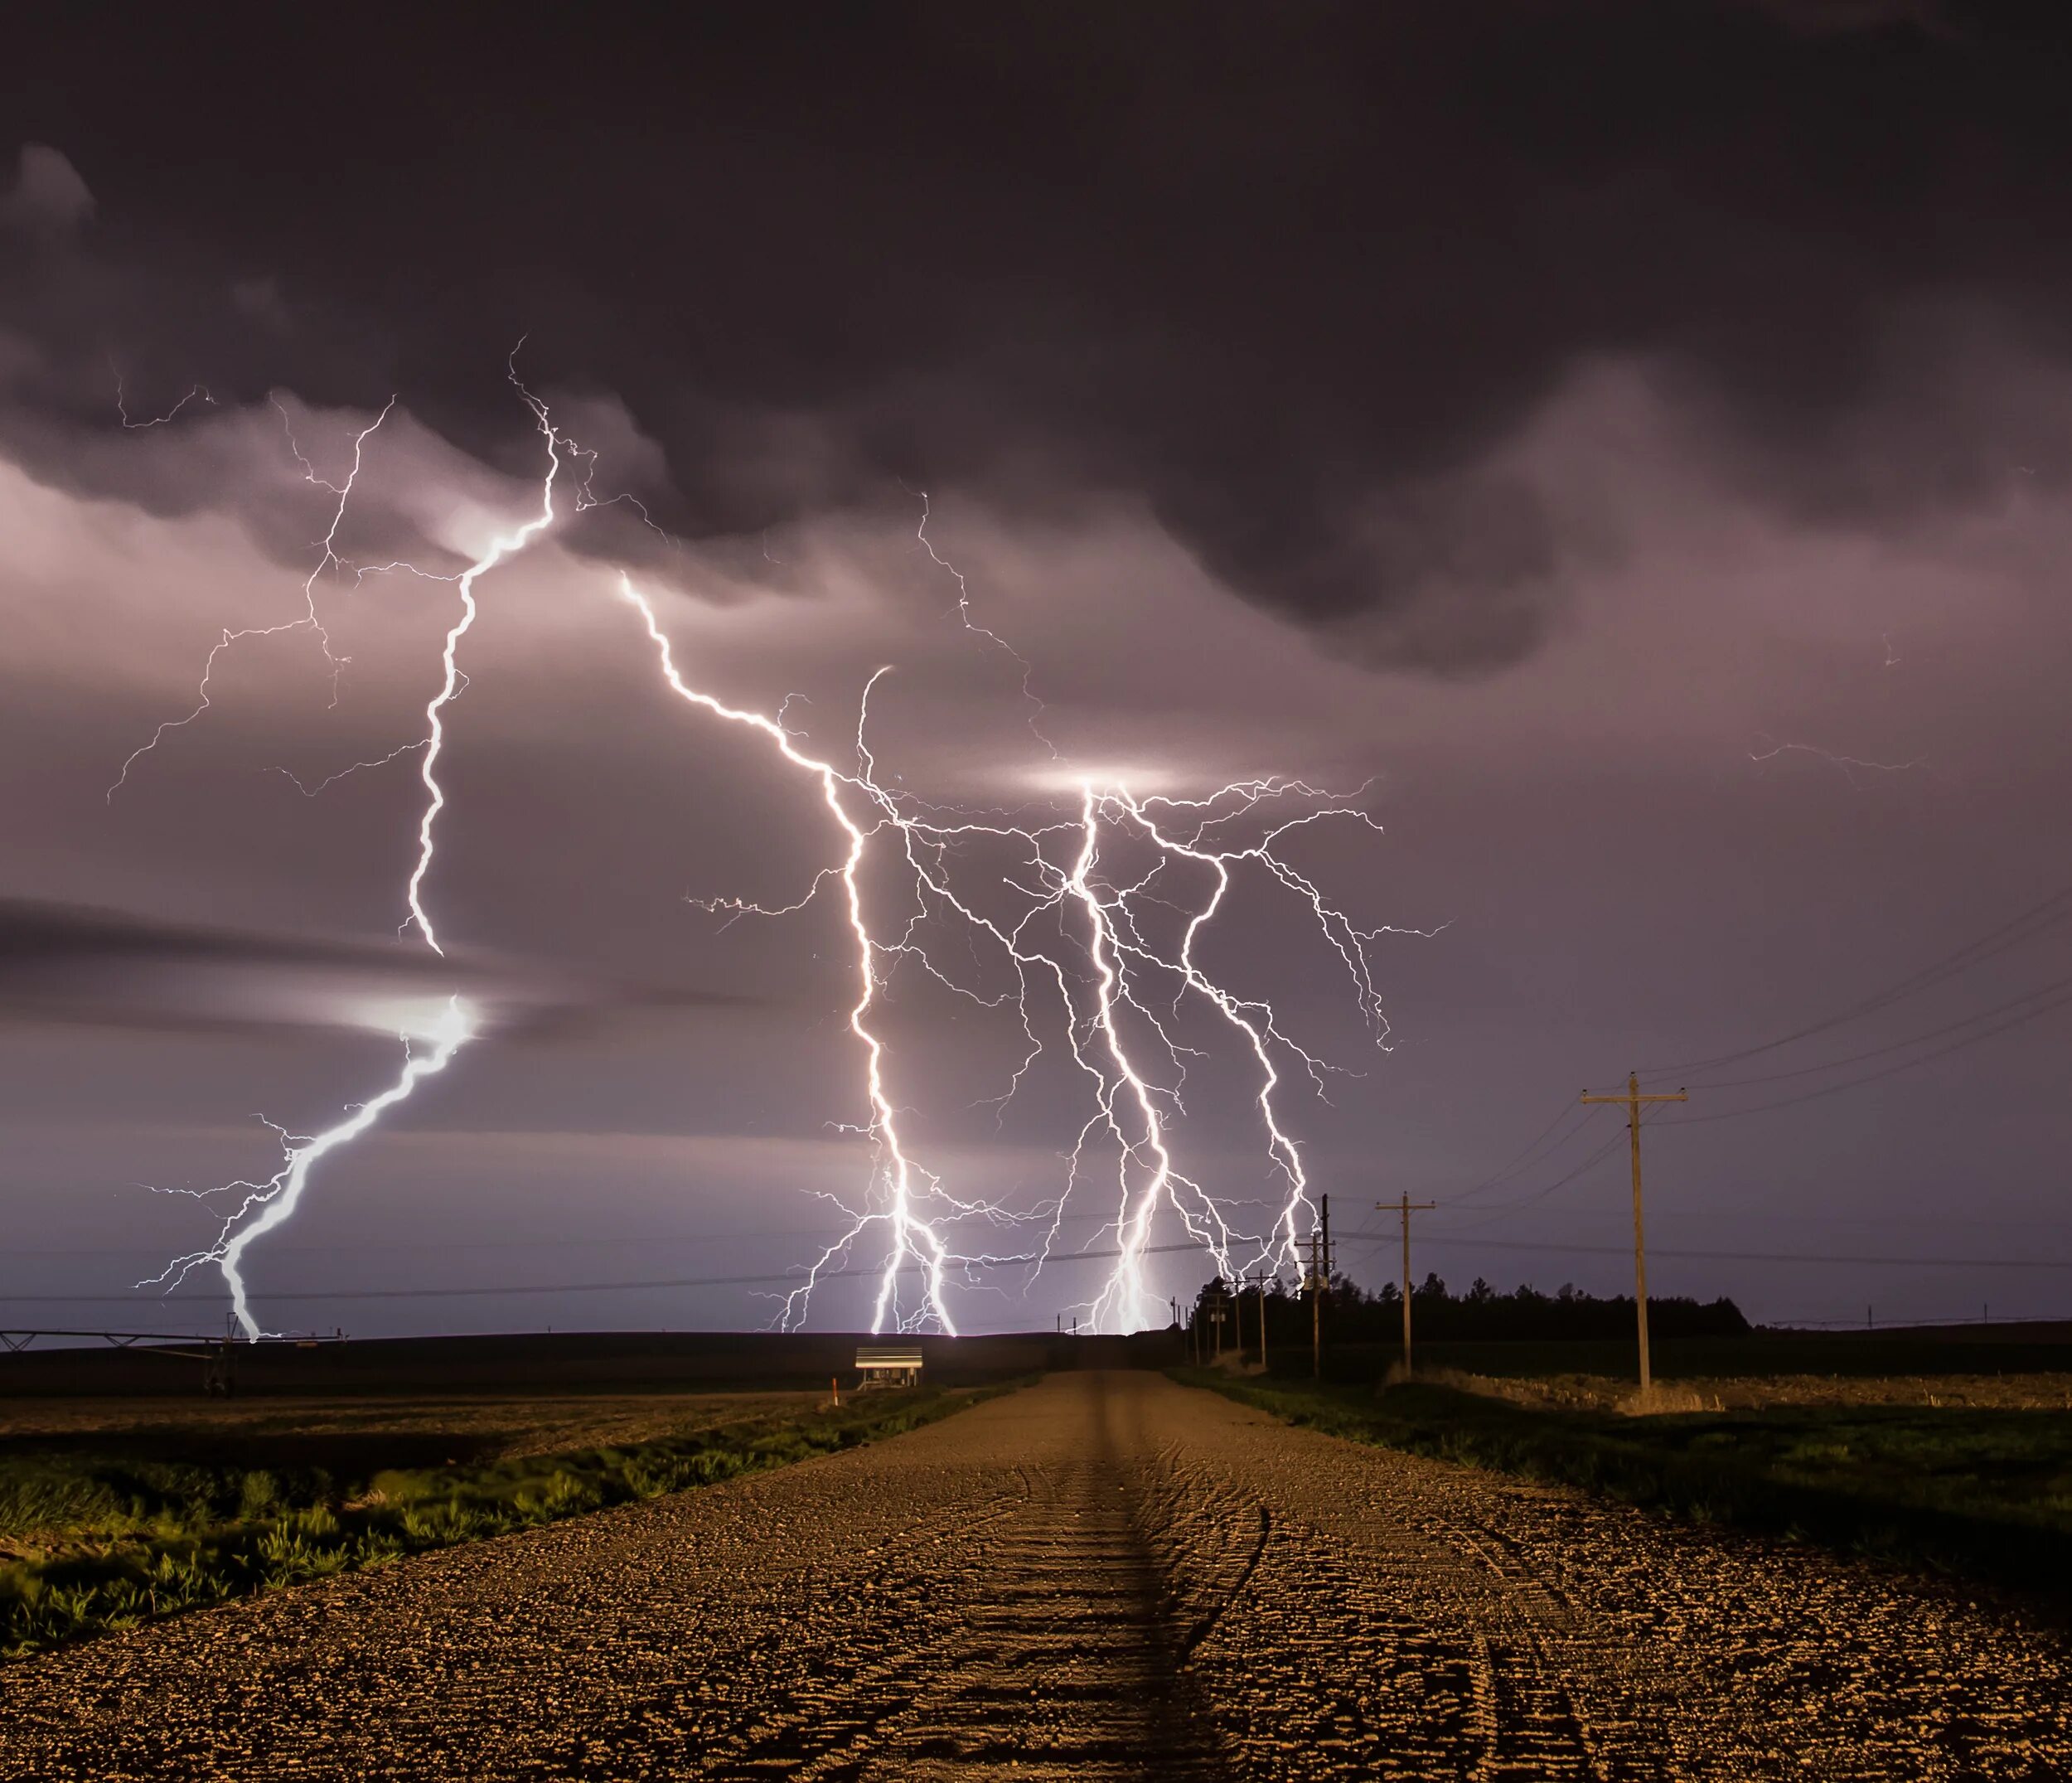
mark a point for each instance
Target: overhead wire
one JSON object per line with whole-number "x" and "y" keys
{"x": 2034, "y": 921}
{"x": 1893, "y": 1046}
{"x": 1746, "y": 1257}
{"x": 1532, "y": 1151}
{"x": 472, "y": 1292}
{"x": 1873, "y": 1076}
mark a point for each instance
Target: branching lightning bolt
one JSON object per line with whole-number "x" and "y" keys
{"x": 1097, "y": 971}
{"x": 271, "y": 1202}
{"x": 1029, "y": 699}
{"x": 310, "y": 620}
{"x": 1849, "y": 765}
{"x": 1075, "y": 932}
{"x": 912, "y": 1236}
{"x": 197, "y": 393}
{"x": 276, "y": 1200}
{"x": 504, "y": 545}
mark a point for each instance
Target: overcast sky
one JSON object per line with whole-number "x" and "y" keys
{"x": 1628, "y": 442}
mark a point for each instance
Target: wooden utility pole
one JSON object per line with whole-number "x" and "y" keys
{"x": 1406, "y": 1207}
{"x": 1320, "y": 1280}
{"x": 1315, "y": 1285}
{"x": 1259, "y": 1281}
{"x": 1633, "y": 1099}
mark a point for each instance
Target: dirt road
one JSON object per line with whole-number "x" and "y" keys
{"x": 1103, "y": 1576}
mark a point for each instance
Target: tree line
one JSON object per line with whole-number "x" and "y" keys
{"x": 1353, "y": 1313}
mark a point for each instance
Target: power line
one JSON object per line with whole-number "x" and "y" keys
{"x": 1496, "y": 1210}
{"x": 2031, "y": 921}
{"x": 1568, "y": 1110}
{"x": 791, "y": 1278}
{"x": 1873, "y": 1076}
{"x": 1740, "y": 1257}
{"x": 1896, "y": 1046}
{"x": 640, "y": 1241}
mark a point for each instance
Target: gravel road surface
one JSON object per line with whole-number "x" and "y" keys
{"x": 1103, "y": 1576}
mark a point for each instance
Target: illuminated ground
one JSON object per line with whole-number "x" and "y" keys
{"x": 1102, "y": 1577}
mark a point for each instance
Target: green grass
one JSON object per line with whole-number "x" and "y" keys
{"x": 1986, "y": 1494}
{"x": 114, "y": 1539}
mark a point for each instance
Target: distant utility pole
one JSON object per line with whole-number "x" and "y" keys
{"x": 1633, "y": 1099}
{"x": 1406, "y": 1207}
{"x": 1320, "y": 1280}
{"x": 1258, "y": 1281}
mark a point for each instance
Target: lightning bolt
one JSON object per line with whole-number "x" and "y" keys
{"x": 1064, "y": 913}
{"x": 911, "y": 1236}
{"x": 1035, "y": 706}
{"x": 311, "y": 620}
{"x": 502, "y": 546}
{"x": 1849, "y": 765}
{"x": 198, "y": 393}
{"x": 1100, "y": 1004}
{"x": 276, "y": 1198}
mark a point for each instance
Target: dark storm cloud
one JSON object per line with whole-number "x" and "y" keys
{"x": 67, "y": 963}
{"x": 1290, "y": 275}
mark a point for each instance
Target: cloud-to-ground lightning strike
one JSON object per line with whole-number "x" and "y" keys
{"x": 912, "y": 1236}
{"x": 275, "y": 1199}
{"x": 1098, "y": 1004}
{"x": 1074, "y": 931}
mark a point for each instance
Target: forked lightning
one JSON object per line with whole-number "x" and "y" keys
{"x": 1071, "y": 932}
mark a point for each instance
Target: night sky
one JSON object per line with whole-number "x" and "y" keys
{"x": 1624, "y": 447}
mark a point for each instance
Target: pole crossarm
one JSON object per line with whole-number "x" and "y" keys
{"x": 1680, "y": 1095}
{"x": 1632, "y": 1099}
{"x": 1406, "y": 1207}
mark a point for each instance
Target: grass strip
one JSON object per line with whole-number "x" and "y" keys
{"x": 281, "y": 1532}
{"x": 1985, "y": 1496}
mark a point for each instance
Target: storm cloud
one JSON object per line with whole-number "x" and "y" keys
{"x": 73, "y": 963}
{"x": 1289, "y": 276}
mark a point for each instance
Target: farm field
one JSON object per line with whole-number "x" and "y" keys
{"x": 114, "y": 1511}
{"x": 2009, "y": 1353}
{"x": 1983, "y": 1491}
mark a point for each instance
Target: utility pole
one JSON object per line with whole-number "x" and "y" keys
{"x": 1320, "y": 1280}
{"x": 1259, "y": 1281}
{"x": 1633, "y": 1099}
{"x": 1315, "y": 1285}
{"x": 1406, "y": 1207}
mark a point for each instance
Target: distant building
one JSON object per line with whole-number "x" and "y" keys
{"x": 889, "y": 1365}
